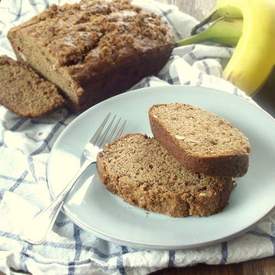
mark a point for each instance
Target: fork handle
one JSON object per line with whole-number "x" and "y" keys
{"x": 63, "y": 194}
{"x": 36, "y": 230}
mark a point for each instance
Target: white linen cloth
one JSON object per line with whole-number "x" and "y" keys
{"x": 24, "y": 149}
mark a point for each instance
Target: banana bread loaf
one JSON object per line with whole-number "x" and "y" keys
{"x": 143, "y": 173}
{"x": 24, "y": 92}
{"x": 93, "y": 49}
{"x": 200, "y": 140}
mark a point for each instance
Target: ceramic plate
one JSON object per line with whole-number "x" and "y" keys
{"x": 98, "y": 211}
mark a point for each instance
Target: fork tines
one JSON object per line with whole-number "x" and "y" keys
{"x": 110, "y": 129}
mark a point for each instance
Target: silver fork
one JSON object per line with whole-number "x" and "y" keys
{"x": 36, "y": 230}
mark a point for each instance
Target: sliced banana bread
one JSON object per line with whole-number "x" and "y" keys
{"x": 93, "y": 49}
{"x": 143, "y": 173}
{"x": 24, "y": 92}
{"x": 200, "y": 140}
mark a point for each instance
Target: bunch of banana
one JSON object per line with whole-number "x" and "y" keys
{"x": 250, "y": 25}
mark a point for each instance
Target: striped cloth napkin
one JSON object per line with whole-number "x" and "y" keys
{"x": 24, "y": 150}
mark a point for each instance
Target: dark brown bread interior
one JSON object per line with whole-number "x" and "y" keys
{"x": 143, "y": 173}
{"x": 200, "y": 140}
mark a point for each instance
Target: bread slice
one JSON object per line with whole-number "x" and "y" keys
{"x": 24, "y": 92}
{"x": 143, "y": 173}
{"x": 200, "y": 140}
{"x": 93, "y": 49}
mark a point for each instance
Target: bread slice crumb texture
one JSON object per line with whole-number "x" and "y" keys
{"x": 200, "y": 132}
{"x": 200, "y": 140}
{"x": 24, "y": 92}
{"x": 142, "y": 172}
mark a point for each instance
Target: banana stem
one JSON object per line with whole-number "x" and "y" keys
{"x": 233, "y": 13}
{"x": 201, "y": 37}
{"x": 222, "y": 31}
{"x": 205, "y": 21}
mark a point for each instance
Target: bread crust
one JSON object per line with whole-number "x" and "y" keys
{"x": 120, "y": 78}
{"x": 229, "y": 165}
{"x": 94, "y": 68}
{"x": 177, "y": 204}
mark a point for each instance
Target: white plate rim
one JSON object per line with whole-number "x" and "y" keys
{"x": 78, "y": 222}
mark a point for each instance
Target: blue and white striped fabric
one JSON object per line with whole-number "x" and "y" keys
{"x": 24, "y": 149}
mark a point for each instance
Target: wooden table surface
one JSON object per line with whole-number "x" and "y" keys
{"x": 266, "y": 98}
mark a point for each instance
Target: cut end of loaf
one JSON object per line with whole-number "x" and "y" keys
{"x": 24, "y": 92}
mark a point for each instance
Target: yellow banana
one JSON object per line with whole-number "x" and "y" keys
{"x": 254, "y": 56}
{"x": 224, "y": 31}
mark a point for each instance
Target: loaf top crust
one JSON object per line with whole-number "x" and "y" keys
{"x": 93, "y": 34}
{"x": 25, "y": 92}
